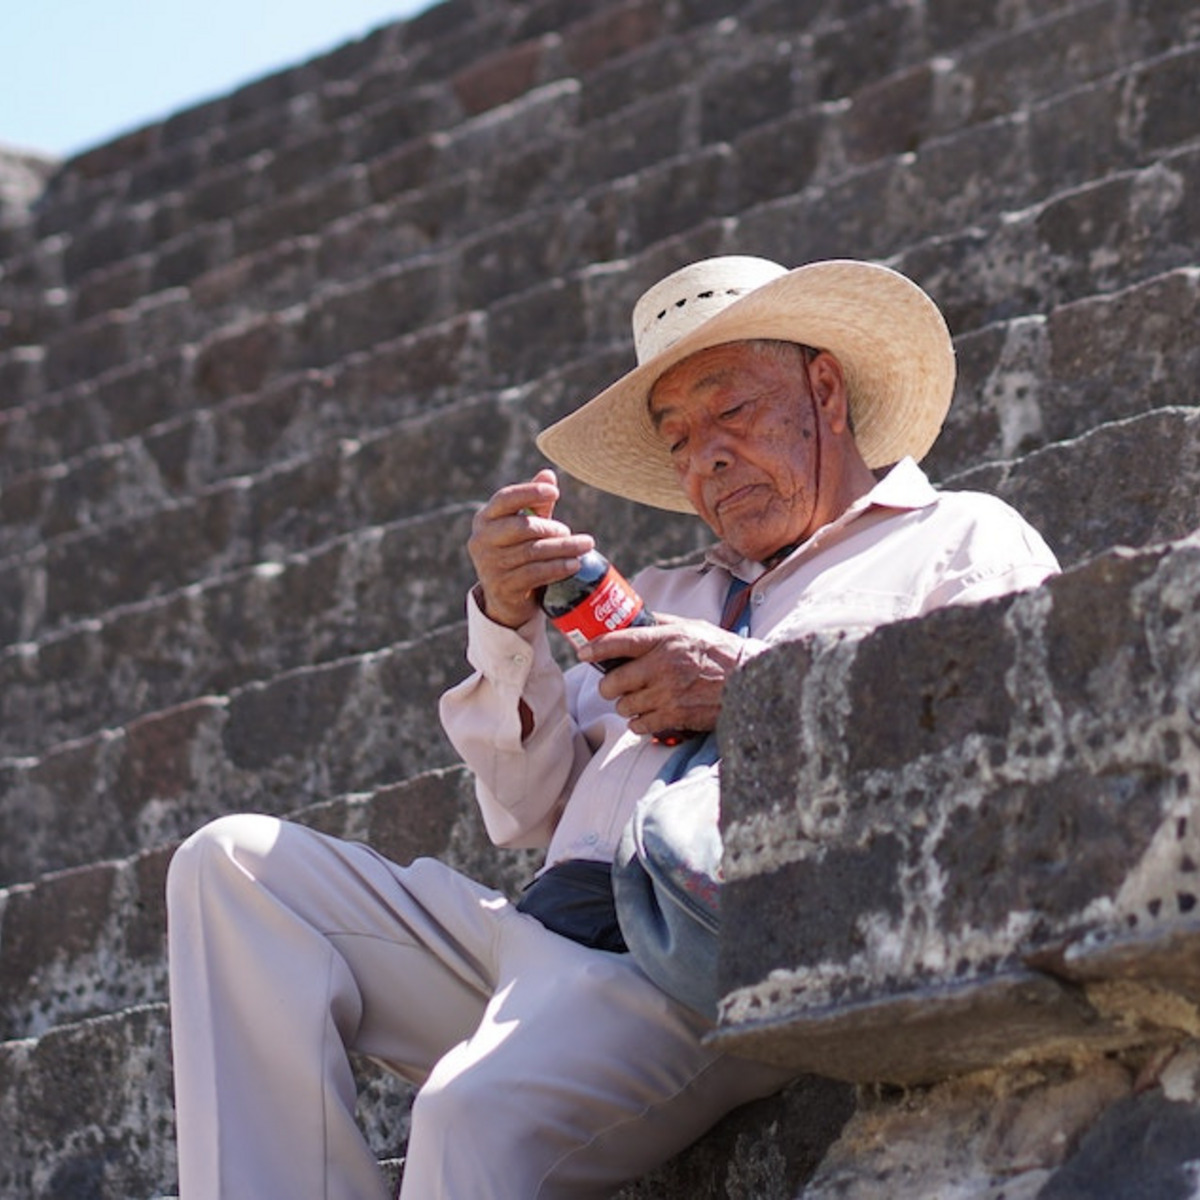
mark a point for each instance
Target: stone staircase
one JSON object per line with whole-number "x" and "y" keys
{"x": 260, "y": 361}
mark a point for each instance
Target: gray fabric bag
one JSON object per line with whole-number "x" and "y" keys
{"x": 667, "y": 877}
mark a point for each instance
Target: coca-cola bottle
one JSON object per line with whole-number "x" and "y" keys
{"x": 596, "y": 599}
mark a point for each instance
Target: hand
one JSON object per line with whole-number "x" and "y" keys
{"x": 518, "y": 548}
{"x": 676, "y": 675}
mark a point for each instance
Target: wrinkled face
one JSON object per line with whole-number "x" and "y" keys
{"x": 742, "y": 429}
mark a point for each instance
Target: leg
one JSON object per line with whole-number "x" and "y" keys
{"x": 287, "y": 949}
{"x": 581, "y": 1076}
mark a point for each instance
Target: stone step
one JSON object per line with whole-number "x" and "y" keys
{"x": 656, "y": 202}
{"x": 111, "y": 478}
{"x": 424, "y": 464}
{"x": 350, "y": 725}
{"x": 279, "y": 742}
{"x": 980, "y": 178}
{"x": 118, "y": 479}
{"x": 366, "y": 589}
{"x": 1022, "y": 261}
{"x": 1051, "y": 377}
{"x": 915, "y": 103}
{"x": 1076, "y": 746}
{"x": 88, "y": 1109}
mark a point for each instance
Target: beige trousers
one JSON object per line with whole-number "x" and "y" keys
{"x": 546, "y": 1070}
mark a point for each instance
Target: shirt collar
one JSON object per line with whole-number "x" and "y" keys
{"x": 905, "y": 486}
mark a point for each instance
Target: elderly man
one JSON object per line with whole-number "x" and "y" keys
{"x": 549, "y": 1065}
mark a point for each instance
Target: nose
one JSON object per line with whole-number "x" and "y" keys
{"x": 711, "y": 451}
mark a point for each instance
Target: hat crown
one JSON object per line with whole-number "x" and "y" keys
{"x": 685, "y": 299}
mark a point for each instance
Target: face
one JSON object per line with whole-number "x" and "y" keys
{"x": 746, "y": 438}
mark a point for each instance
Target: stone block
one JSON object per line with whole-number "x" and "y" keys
{"x": 1031, "y": 790}
{"x": 171, "y": 169}
{"x": 84, "y": 942}
{"x": 871, "y": 46}
{"x": 397, "y": 117}
{"x": 188, "y": 256}
{"x": 238, "y": 360}
{"x": 511, "y": 256}
{"x": 1061, "y": 156}
{"x": 88, "y": 1109}
{"x": 667, "y": 64}
{"x": 746, "y": 94}
{"x": 198, "y": 122}
{"x": 682, "y": 193}
{"x": 358, "y": 593}
{"x": 87, "y": 572}
{"x": 103, "y": 796}
{"x": 343, "y": 727}
{"x": 1106, "y": 504}
{"x": 355, "y": 316}
{"x": 1142, "y": 1146}
{"x": 235, "y": 291}
{"x": 893, "y": 116}
{"x": 402, "y": 169}
{"x": 639, "y": 136}
{"x": 767, "y": 1150}
{"x": 372, "y": 721}
{"x": 107, "y": 485}
{"x": 527, "y": 331}
{"x": 84, "y": 351}
{"x": 610, "y": 33}
{"x": 1114, "y": 356}
{"x": 500, "y": 77}
{"x": 224, "y": 192}
{"x": 105, "y": 242}
{"x": 1168, "y": 92}
{"x": 306, "y": 210}
{"x": 1048, "y": 56}
{"x": 118, "y": 286}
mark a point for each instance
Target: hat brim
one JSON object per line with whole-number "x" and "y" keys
{"x": 890, "y": 338}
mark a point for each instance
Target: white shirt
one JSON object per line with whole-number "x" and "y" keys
{"x": 900, "y": 551}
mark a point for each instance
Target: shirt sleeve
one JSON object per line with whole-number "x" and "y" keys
{"x": 522, "y": 783}
{"x": 999, "y": 553}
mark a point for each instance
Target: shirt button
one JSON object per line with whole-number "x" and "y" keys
{"x": 759, "y": 597}
{"x": 519, "y": 659}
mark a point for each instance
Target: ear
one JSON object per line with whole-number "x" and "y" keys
{"x": 828, "y": 385}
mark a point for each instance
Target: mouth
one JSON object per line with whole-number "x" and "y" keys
{"x": 733, "y": 500}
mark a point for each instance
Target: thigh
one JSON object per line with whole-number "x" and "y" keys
{"x": 415, "y": 943}
{"x": 581, "y": 1076}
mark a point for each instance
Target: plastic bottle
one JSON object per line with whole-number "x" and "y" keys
{"x": 596, "y": 599}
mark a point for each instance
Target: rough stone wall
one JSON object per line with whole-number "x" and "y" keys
{"x": 260, "y": 360}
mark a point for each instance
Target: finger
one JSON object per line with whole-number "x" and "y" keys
{"x": 536, "y": 496}
{"x": 631, "y": 642}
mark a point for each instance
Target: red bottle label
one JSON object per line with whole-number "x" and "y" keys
{"x": 613, "y": 605}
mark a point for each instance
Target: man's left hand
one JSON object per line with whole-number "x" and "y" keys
{"x": 676, "y": 674}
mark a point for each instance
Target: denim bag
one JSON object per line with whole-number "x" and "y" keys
{"x": 667, "y": 877}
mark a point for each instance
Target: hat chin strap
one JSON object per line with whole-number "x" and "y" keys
{"x": 776, "y": 557}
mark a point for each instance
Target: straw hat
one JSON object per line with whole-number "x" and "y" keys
{"x": 888, "y": 335}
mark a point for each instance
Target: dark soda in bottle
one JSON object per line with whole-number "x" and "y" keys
{"x": 596, "y": 599}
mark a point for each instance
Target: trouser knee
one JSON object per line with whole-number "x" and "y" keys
{"x": 207, "y": 861}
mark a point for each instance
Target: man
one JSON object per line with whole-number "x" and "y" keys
{"x": 764, "y": 400}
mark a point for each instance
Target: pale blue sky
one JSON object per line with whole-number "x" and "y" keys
{"x": 76, "y": 73}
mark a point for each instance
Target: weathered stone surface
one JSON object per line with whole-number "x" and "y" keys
{"x": 1032, "y": 163}
{"x": 87, "y": 1109}
{"x": 1030, "y": 786}
{"x": 986, "y": 1136}
{"x": 356, "y": 594}
{"x": 1084, "y": 496}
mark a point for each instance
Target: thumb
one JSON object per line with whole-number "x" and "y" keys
{"x": 546, "y": 507}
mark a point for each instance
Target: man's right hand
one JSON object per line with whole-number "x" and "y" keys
{"x": 518, "y": 548}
